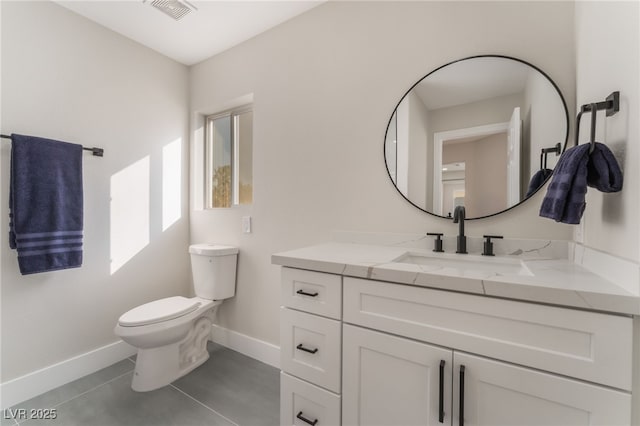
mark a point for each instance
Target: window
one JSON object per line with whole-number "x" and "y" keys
{"x": 229, "y": 158}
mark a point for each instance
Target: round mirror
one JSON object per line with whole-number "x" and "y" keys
{"x": 483, "y": 132}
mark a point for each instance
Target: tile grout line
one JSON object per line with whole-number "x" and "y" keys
{"x": 15, "y": 422}
{"x": 85, "y": 392}
{"x": 204, "y": 405}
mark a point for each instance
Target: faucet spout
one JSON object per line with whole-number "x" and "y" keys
{"x": 458, "y": 217}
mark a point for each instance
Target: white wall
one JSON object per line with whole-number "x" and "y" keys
{"x": 64, "y": 77}
{"x": 419, "y": 171}
{"x": 403, "y": 146}
{"x": 323, "y": 93}
{"x": 479, "y": 113}
{"x": 545, "y": 118}
{"x": 607, "y": 61}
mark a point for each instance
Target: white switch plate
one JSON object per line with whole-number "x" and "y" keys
{"x": 246, "y": 224}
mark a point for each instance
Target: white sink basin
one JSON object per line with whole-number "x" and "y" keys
{"x": 465, "y": 264}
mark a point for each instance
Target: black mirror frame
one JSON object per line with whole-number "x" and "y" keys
{"x": 566, "y": 137}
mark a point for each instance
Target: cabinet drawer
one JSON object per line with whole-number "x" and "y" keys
{"x": 587, "y": 345}
{"x": 301, "y": 404}
{"x": 314, "y": 292}
{"x": 310, "y": 348}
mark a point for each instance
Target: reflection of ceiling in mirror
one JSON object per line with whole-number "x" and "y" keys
{"x": 471, "y": 81}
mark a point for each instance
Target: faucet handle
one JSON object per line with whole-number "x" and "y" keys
{"x": 437, "y": 243}
{"x": 488, "y": 245}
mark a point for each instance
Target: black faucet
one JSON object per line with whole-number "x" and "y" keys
{"x": 458, "y": 217}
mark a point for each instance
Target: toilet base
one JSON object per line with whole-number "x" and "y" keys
{"x": 157, "y": 367}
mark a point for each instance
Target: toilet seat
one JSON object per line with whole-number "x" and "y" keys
{"x": 159, "y": 311}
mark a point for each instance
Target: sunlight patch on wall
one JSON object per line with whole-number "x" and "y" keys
{"x": 129, "y": 212}
{"x": 171, "y": 183}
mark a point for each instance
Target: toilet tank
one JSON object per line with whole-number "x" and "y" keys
{"x": 214, "y": 270}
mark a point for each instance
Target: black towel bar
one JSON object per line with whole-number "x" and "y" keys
{"x": 544, "y": 151}
{"x": 611, "y": 105}
{"x": 98, "y": 152}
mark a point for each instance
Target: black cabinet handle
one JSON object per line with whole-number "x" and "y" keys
{"x": 462, "y": 395}
{"x": 441, "y": 400}
{"x": 304, "y": 293}
{"x": 304, "y": 419}
{"x": 302, "y": 348}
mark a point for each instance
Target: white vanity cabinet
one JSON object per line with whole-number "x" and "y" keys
{"x": 310, "y": 348}
{"x": 417, "y": 356}
{"x": 481, "y": 340}
{"x": 390, "y": 380}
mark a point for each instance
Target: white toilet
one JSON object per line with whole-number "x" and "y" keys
{"x": 171, "y": 334}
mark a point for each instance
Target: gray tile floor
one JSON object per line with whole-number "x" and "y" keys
{"x": 229, "y": 389}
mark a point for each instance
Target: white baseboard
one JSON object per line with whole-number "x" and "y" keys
{"x": 246, "y": 345}
{"x": 38, "y": 382}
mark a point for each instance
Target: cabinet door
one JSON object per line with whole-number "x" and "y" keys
{"x": 496, "y": 393}
{"x": 389, "y": 380}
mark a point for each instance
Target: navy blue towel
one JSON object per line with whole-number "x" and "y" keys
{"x": 46, "y": 204}
{"x": 577, "y": 169}
{"x": 537, "y": 180}
{"x": 603, "y": 171}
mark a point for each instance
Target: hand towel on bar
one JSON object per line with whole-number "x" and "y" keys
{"x": 46, "y": 204}
{"x": 565, "y": 198}
{"x": 537, "y": 180}
{"x": 577, "y": 169}
{"x": 603, "y": 171}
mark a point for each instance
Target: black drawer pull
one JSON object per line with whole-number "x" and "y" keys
{"x": 302, "y": 348}
{"x": 304, "y": 293}
{"x": 461, "y": 421}
{"x": 441, "y": 391}
{"x": 304, "y": 419}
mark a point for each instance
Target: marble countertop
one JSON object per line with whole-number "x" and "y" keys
{"x": 531, "y": 276}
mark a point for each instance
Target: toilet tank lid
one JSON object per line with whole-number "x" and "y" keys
{"x": 212, "y": 249}
{"x": 159, "y": 311}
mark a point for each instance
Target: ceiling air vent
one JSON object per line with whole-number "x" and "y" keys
{"x": 174, "y": 8}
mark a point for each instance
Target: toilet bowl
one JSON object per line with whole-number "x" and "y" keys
{"x": 171, "y": 334}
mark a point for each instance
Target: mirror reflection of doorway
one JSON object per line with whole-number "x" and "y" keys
{"x": 453, "y": 187}
{"x": 491, "y": 154}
